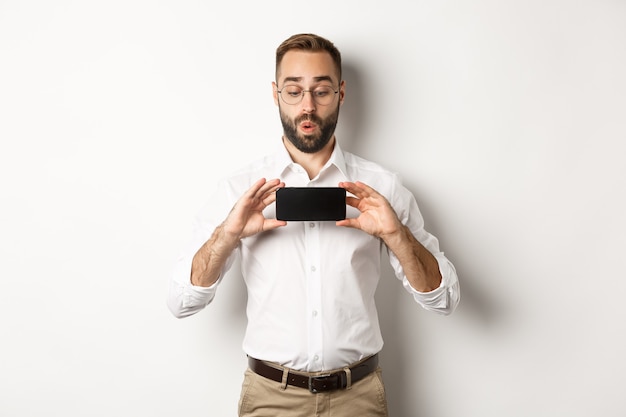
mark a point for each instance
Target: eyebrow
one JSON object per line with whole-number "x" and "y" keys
{"x": 316, "y": 79}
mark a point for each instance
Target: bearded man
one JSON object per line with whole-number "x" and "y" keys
{"x": 313, "y": 334}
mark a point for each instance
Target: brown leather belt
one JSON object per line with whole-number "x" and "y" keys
{"x": 316, "y": 382}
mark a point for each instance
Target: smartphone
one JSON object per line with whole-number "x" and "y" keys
{"x": 315, "y": 203}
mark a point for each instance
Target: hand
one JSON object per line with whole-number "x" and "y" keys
{"x": 379, "y": 219}
{"x": 246, "y": 218}
{"x": 377, "y": 216}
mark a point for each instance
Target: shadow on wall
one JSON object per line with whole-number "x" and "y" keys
{"x": 404, "y": 330}
{"x": 400, "y": 358}
{"x": 355, "y": 110}
{"x": 390, "y": 296}
{"x": 476, "y": 303}
{"x": 405, "y": 351}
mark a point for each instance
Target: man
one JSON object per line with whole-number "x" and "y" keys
{"x": 313, "y": 335}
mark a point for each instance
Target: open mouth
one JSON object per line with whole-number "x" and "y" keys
{"x": 307, "y": 126}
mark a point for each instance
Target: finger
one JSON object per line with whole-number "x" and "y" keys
{"x": 269, "y": 198}
{"x": 352, "y": 223}
{"x": 348, "y": 186}
{"x": 365, "y": 189}
{"x": 260, "y": 190}
{"x": 353, "y": 202}
{"x": 271, "y": 224}
{"x": 268, "y": 195}
{"x": 270, "y": 187}
{"x": 254, "y": 190}
{"x": 357, "y": 188}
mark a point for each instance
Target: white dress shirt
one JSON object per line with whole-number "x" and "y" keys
{"x": 310, "y": 285}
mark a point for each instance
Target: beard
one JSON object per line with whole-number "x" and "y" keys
{"x": 314, "y": 142}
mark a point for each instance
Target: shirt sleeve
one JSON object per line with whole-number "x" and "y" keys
{"x": 183, "y": 298}
{"x": 442, "y": 300}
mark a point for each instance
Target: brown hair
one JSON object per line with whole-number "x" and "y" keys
{"x": 308, "y": 42}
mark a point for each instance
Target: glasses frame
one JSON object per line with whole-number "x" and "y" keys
{"x": 310, "y": 91}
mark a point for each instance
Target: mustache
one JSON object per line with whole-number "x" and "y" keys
{"x": 310, "y": 118}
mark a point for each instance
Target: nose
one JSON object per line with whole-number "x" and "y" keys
{"x": 308, "y": 104}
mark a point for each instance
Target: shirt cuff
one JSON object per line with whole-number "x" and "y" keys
{"x": 437, "y": 299}
{"x": 194, "y": 295}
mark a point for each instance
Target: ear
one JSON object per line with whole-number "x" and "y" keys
{"x": 342, "y": 91}
{"x": 275, "y": 92}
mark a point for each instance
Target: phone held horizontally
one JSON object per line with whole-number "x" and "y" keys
{"x": 314, "y": 203}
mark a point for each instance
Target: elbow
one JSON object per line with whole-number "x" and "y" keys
{"x": 443, "y": 311}
{"x": 447, "y": 311}
{"x": 453, "y": 302}
{"x": 445, "y": 305}
{"x": 180, "y": 308}
{"x": 452, "y": 298}
{"x": 175, "y": 309}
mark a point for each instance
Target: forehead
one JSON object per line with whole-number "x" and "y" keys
{"x": 307, "y": 66}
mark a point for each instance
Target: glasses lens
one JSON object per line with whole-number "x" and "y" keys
{"x": 322, "y": 95}
{"x": 291, "y": 94}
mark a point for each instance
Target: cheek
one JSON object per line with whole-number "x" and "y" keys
{"x": 287, "y": 113}
{"x": 285, "y": 117}
{"x": 330, "y": 115}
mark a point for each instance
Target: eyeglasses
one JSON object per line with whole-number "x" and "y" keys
{"x": 292, "y": 94}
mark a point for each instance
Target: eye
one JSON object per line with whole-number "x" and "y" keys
{"x": 322, "y": 91}
{"x": 292, "y": 91}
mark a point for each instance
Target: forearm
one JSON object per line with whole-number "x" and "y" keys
{"x": 210, "y": 259}
{"x": 419, "y": 265}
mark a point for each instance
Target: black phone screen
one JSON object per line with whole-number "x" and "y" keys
{"x": 314, "y": 203}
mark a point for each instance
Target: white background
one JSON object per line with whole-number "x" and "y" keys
{"x": 507, "y": 119}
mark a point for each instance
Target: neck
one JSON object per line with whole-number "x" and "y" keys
{"x": 311, "y": 162}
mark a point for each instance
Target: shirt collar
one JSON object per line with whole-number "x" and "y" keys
{"x": 283, "y": 160}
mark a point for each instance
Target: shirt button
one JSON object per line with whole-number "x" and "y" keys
{"x": 316, "y": 358}
{"x": 312, "y": 225}
{"x": 314, "y": 313}
{"x": 313, "y": 269}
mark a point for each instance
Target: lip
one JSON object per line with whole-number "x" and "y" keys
{"x": 308, "y": 126}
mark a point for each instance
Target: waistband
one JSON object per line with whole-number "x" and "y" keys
{"x": 314, "y": 381}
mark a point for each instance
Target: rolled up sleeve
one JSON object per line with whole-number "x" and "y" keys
{"x": 442, "y": 300}
{"x": 185, "y": 299}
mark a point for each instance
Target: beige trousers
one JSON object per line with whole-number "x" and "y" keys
{"x": 262, "y": 397}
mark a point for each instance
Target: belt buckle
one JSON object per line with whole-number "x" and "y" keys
{"x": 313, "y": 389}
